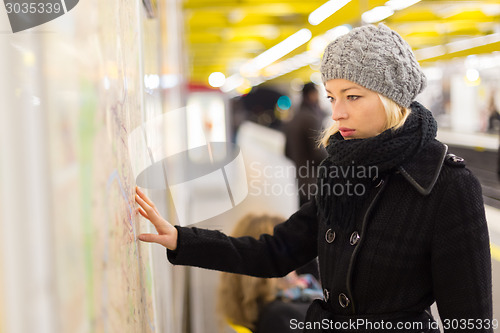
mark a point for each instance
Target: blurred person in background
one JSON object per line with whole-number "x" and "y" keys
{"x": 494, "y": 123}
{"x": 302, "y": 134}
{"x": 263, "y": 305}
{"x": 494, "y": 116}
{"x": 397, "y": 223}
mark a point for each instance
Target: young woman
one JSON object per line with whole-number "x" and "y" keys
{"x": 397, "y": 223}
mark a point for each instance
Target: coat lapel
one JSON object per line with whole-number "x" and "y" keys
{"x": 422, "y": 171}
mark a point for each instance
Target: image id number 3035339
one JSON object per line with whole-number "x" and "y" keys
{"x": 33, "y": 8}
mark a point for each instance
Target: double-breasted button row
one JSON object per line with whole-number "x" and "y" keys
{"x": 343, "y": 299}
{"x": 330, "y": 237}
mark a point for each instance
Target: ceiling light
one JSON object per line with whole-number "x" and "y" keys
{"x": 169, "y": 81}
{"x": 216, "y": 79}
{"x": 472, "y": 76}
{"x": 326, "y": 10}
{"x": 400, "y": 4}
{"x": 277, "y": 51}
{"x": 235, "y": 16}
{"x": 336, "y": 32}
{"x": 318, "y": 44}
{"x": 490, "y": 9}
{"x": 472, "y": 42}
{"x": 232, "y": 82}
{"x": 430, "y": 52}
{"x": 152, "y": 81}
{"x": 377, "y": 14}
{"x": 453, "y": 47}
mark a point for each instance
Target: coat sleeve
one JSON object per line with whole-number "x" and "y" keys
{"x": 292, "y": 245}
{"x": 461, "y": 260}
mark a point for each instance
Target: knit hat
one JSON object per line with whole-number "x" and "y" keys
{"x": 376, "y": 58}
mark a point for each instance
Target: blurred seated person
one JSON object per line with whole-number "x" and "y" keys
{"x": 494, "y": 116}
{"x": 263, "y": 305}
{"x": 302, "y": 134}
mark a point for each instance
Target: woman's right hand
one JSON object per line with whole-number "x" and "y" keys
{"x": 167, "y": 233}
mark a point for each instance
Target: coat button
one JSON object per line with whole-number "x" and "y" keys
{"x": 354, "y": 238}
{"x": 330, "y": 236}
{"x": 344, "y": 300}
{"x": 454, "y": 160}
{"x": 326, "y": 295}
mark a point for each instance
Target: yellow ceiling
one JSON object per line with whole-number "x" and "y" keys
{"x": 222, "y": 35}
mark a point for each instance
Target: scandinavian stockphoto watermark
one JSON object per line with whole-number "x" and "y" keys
{"x": 26, "y": 14}
{"x": 267, "y": 179}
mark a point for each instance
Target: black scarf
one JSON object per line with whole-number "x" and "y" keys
{"x": 351, "y": 165}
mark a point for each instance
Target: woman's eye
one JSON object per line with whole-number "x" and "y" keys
{"x": 331, "y": 99}
{"x": 352, "y": 97}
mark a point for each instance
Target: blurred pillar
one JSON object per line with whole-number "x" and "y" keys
{"x": 25, "y": 218}
{"x": 465, "y": 115}
{"x": 172, "y": 301}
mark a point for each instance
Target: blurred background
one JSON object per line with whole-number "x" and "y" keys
{"x": 193, "y": 101}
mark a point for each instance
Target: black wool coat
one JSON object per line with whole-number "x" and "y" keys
{"x": 422, "y": 238}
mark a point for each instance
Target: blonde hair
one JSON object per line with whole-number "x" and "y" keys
{"x": 396, "y": 117}
{"x": 240, "y": 297}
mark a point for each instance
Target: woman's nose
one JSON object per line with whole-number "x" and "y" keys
{"x": 338, "y": 111}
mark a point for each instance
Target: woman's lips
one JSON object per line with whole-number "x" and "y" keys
{"x": 344, "y": 131}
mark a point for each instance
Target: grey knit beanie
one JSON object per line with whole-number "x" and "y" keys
{"x": 376, "y": 58}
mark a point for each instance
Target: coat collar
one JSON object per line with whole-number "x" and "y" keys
{"x": 422, "y": 171}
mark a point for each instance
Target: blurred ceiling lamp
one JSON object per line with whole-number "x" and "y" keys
{"x": 216, "y": 79}
{"x": 382, "y": 12}
{"x": 472, "y": 75}
{"x": 400, "y": 4}
{"x": 310, "y": 57}
{"x": 377, "y": 14}
{"x": 336, "y": 32}
{"x": 152, "y": 81}
{"x": 276, "y": 52}
{"x": 232, "y": 82}
{"x": 326, "y": 10}
{"x": 290, "y": 64}
{"x": 453, "y": 47}
{"x": 318, "y": 44}
{"x": 244, "y": 88}
{"x": 430, "y": 52}
{"x": 235, "y": 16}
{"x": 473, "y": 42}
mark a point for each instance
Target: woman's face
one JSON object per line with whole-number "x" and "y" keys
{"x": 358, "y": 111}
